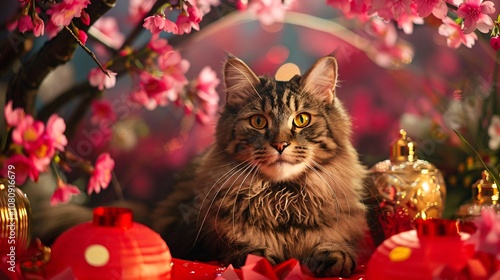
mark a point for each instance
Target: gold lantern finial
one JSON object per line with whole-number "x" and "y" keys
{"x": 403, "y": 149}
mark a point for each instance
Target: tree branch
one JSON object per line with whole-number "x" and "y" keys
{"x": 24, "y": 85}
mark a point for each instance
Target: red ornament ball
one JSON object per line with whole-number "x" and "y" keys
{"x": 112, "y": 246}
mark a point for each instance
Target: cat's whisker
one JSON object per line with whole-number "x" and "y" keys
{"x": 338, "y": 183}
{"x": 228, "y": 176}
{"x": 252, "y": 170}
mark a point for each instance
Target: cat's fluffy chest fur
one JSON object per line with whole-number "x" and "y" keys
{"x": 282, "y": 180}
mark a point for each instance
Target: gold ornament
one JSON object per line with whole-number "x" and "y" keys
{"x": 484, "y": 195}
{"x": 414, "y": 188}
{"x": 15, "y": 220}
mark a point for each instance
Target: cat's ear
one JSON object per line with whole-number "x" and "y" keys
{"x": 321, "y": 79}
{"x": 240, "y": 81}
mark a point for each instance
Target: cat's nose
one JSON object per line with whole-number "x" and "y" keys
{"x": 280, "y": 146}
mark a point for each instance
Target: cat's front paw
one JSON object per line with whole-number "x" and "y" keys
{"x": 330, "y": 261}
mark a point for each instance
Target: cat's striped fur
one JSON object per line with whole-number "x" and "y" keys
{"x": 279, "y": 190}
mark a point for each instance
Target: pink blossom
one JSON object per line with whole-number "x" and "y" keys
{"x": 139, "y": 8}
{"x": 159, "y": 45}
{"x": 173, "y": 65}
{"x": 487, "y": 236}
{"x": 51, "y": 29}
{"x": 494, "y": 132}
{"x": 153, "y": 91}
{"x": 82, "y": 36}
{"x": 24, "y": 168}
{"x": 406, "y": 21}
{"x": 100, "y": 80}
{"x": 39, "y": 26}
{"x": 24, "y": 24}
{"x": 101, "y": 175}
{"x": 437, "y": 7}
{"x": 13, "y": 116}
{"x": 188, "y": 20}
{"x": 389, "y": 9}
{"x": 157, "y": 23}
{"x": 102, "y": 110}
{"x": 28, "y": 132}
{"x": 455, "y": 35}
{"x": 474, "y": 13}
{"x": 108, "y": 26}
{"x": 63, "y": 13}
{"x": 85, "y": 17}
{"x": 63, "y": 193}
{"x": 204, "y": 5}
{"x": 42, "y": 152}
{"x": 351, "y": 8}
{"x": 55, "y": 130}
{"x": 268, "y": 11}
{"x": 205, "y": 86}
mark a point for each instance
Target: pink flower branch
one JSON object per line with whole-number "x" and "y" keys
{"x": 59, "y": 50}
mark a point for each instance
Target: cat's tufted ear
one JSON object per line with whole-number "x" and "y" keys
{"x": 321, "y": 79}
{"x": 240, "y": 82}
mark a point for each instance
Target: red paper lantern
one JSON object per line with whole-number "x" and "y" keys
{"x": 112, "y": 246}
{"x": 434, "y": 249}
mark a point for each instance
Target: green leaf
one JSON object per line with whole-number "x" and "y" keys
{"x": 494, "y": 173}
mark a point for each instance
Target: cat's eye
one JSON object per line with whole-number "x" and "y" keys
{"x": 258, "y": 121}
{"x": 302, "y": 120}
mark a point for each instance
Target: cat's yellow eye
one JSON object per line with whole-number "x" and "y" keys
{"x": 302, "y": 120}
{"x": 258, "y": 121}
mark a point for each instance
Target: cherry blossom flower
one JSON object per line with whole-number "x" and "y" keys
{"x": 494, "y": 132}
{"x": 204, "y": 5}
{"x": 153, "y": 91}
{"x": 82, "y": 36}
{"x": 63, "y": 12}
{"x": 268, "y": 11}
{"x": 406, "y": 21}
{"x": 24, "y": 168}
{"x": 159, "y": 45}
{"x": 157, "y": 23}
{"x": 55, "y": 130}
{"x": 101, "y": 175}
{"x": 63, "y": 193}
{"x": 100, "y": 80}
{"x": 139, "y": 8}
{"x": 41, "y": 152}
{"x": 455, "y": 35}
{"x": 388, "y": 9}
{"x": 51, "y": 29}
{"x": 102, "y": 110}
{"x": 208, "y": 97}
{"x": 25, "y": 23}
{"x": 351, "y": 8}
{"x": 13, "y": 116}
{"x": 437, "y": 7}
{"x": 108, "y": 26}
{"x": 28, "y": 132}
{"x": 475, "y": 15}
{"x": 188, "y": 20}
{"x": 85, "y": 17}
{"x": 487, "y": 236}
{"x": 39, "y": 26}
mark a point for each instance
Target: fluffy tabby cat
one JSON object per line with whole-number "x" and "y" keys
{"x": 281, "y": 181}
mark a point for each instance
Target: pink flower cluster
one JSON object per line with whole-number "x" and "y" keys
{"x": 206, "y": 95}
{"x": 188, "y": 19}
{"x": 35, "y": 145}
{"x": 61, "y": 14}
{"x": 163, "y": 82}
{"x": 470, "y": 15}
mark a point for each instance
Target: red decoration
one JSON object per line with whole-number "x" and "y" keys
{"x": 435, "y": 250}
{"x": 112, "y": 246}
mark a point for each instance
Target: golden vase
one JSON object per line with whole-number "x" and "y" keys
{"x": 15, "y": 220}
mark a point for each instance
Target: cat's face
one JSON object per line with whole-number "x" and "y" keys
{"x": 282, "y": 129}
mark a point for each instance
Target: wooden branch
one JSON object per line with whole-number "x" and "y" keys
{"x": 24, "y": 85}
